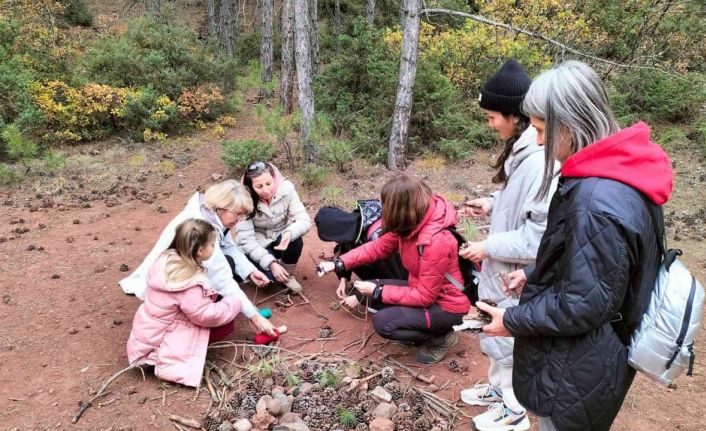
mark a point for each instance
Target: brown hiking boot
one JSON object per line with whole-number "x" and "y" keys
{"x": 436, "y": 348}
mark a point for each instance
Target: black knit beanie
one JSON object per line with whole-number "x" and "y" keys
{"x": 504, "y": 91}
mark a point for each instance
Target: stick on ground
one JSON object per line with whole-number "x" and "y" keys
{"x": 85, "y": 405}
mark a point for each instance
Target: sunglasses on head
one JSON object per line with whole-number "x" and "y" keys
{"x": 257, "y": 167}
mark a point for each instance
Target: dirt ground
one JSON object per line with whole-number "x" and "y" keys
{"x": 64, "y": 320}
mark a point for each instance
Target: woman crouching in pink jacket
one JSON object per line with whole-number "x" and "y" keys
{"x": 180, "y": 315}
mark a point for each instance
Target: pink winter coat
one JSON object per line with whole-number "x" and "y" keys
{"x": 171, "y": 328}
{"x": 427, "y": 284}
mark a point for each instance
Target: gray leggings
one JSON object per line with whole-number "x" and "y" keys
{"x": 545, "y": 424}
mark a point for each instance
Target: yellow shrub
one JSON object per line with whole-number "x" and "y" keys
{"x": 198, "y": 103}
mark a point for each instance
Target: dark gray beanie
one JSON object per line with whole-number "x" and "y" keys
{"x": 506, "y": 89}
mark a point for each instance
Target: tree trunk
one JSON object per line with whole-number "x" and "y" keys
{"x": 397, "y": 152}
{"x": 227, "y": 27}
{"x": 153, "y": 7}
{"x": 338, "y": 24}
{"x": 267, "y": 49}
{"x": 287, "y": 63}
{"x": 370, "y": 11}
{"x": 211, "y": 12}
{"x": 314, "y": 35}
{"x": 304, "y": 80}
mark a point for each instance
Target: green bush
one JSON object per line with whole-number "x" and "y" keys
{"x": 357, "y": 90}
{"x": 17, "y": 146}
{"x": 657, "y": 96}
{"x": 238, "y": 154}
{"x": 339, "y": 153}
{"x": 698, "y": 136}
{"x": 168, "y": 57}
{"x": 14, "y": 76}
{"x": 313, "y": 175}
{"x": 8, "y": 175}
{"x": 454, "y": 149}
{"x": 146, "y": 109}
{"x": 76, "y": 13}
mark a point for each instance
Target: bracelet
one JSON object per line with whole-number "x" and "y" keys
{"x": 338, "y": 266}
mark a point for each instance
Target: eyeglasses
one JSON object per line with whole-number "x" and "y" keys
{"x": 257, "y": 167}
{"x": 238, "y": 217}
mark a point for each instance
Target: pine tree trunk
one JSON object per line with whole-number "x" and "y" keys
{"x": 304, "y": 80}
{"x": 227, "y": 27}
{"x": 287, "y": 62}
{"x": 153, "y": 7}
{"x": 267, "y": 49}
{"x": 338, "y": 24}
{"x": 370, "y": 11}
{"x": 397, "y": 152}
{"x": 314, "y": 35}
{"x": 211, "y": 12}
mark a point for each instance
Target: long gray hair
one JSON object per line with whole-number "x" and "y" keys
{"x": 569, "y": 96}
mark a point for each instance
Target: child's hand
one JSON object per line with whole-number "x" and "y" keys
{"x": 262, "y": 325}
{"x": 259, "y": 278}
{"x": 478, "y": 207}
{"x": 475, "y": 251}
{"x": 350, "y": 301}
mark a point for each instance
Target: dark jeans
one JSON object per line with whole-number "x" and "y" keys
{"x": 412, "y": 324}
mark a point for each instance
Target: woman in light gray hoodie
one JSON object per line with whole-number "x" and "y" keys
{"x": 517, "y": 223}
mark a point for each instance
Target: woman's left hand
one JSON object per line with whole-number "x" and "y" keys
{"x": 475, "y": 251}
{"x": 259, "y": 278}
{"x": 496, "y": 328}
{"x": 365, "y": 288}
{"x": 284, "y": 242}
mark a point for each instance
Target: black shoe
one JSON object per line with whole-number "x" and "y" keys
{"x": 435, "y": 350}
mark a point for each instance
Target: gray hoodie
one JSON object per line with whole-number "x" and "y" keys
{"x": 517, "y": 223}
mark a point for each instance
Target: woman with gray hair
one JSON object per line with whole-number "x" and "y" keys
{"x": 222, "y": 205}
{"x": 597, "y": 260}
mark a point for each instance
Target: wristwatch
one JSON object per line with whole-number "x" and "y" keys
{"x": 338, "y": 266}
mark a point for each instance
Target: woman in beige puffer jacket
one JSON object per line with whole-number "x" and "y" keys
{"x": 272, "y": 236}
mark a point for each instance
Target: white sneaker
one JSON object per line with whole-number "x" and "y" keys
{"x": 471, "y": 324}
{"x": 481, "y": 395}
{"x": 500, "y": 418}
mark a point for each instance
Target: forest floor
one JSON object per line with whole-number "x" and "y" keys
{"x": 64, "y": 320}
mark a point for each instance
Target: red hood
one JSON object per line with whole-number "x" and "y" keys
{"x": 439, "y": 216}
{"x": 629, "y": 157}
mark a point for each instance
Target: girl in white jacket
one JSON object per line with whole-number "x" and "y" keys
{"x": 517, "y": 224}
{"x": 272, "y": 235}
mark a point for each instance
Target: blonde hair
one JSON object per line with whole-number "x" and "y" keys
{"x": 182, "y": 255}
{"x": 229, "y": 195}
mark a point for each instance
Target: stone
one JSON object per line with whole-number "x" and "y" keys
{"x": 381, "y": 395}
{"x": 385, "y": 411}
{"x": 293, "y": 426}
{"x": 216, "y": 176}
{"x": 380, "y": 424}
{"x": 261, "y": 406}
{"x": 263, "y": 420}
{"x": 277, "y": 406}
{"x": 305, "y": 388}
{"x": 436, "y": 429}
{"x": 242, "y": 425}
{"x": 290, "y": 417}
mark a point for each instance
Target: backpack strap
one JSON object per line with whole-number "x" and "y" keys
{"x": 451, "y": 279}
{"x": 661, "y": 236}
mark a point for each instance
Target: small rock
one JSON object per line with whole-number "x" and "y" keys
{"x": 263, "y": 420}
{"x": 77, "y": 221}
{"x": 261, "y": 406}
{"x": 216, "y": 176}
{"x": 73, "y": 331}
{"x": 381, "y": 395}
{"x": 432, "y": 388}
{"x": 305, "y": 388}
{"x": 385, "y": 411}
{"x": 380, "y": 424}
{"x": 31, "y": 247}
{"x": 296, "y": 426}
{"x": 242, "y": 425}
{"x": 162, "y": 210}
{"x": 142, "y": 399}
{"x": 42, "y": 225}
{"x": 289, "y": 418}
{"x": 55, "y": 277}
{"x": 40, "y": 248}
{"x": 70, "y": 239}
{"x": 6, "y": 299}
{"x": 124, "y": 267}
{"x": 117, "y": 322}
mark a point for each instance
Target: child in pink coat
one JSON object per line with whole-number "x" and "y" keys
{"x": 172, "y": 327}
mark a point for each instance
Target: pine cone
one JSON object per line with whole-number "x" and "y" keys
{"x": 454, "y": 366}
{"x": 422, "y": 424}
{"x": 211, "y": 422}
{"x": 394, "y": 389}
{"x": 326, "y": 332}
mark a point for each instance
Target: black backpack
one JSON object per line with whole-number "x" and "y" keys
{"x": 468, "y": 270}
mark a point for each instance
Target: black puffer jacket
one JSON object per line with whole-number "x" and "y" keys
{"x": 597, "y": 261}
